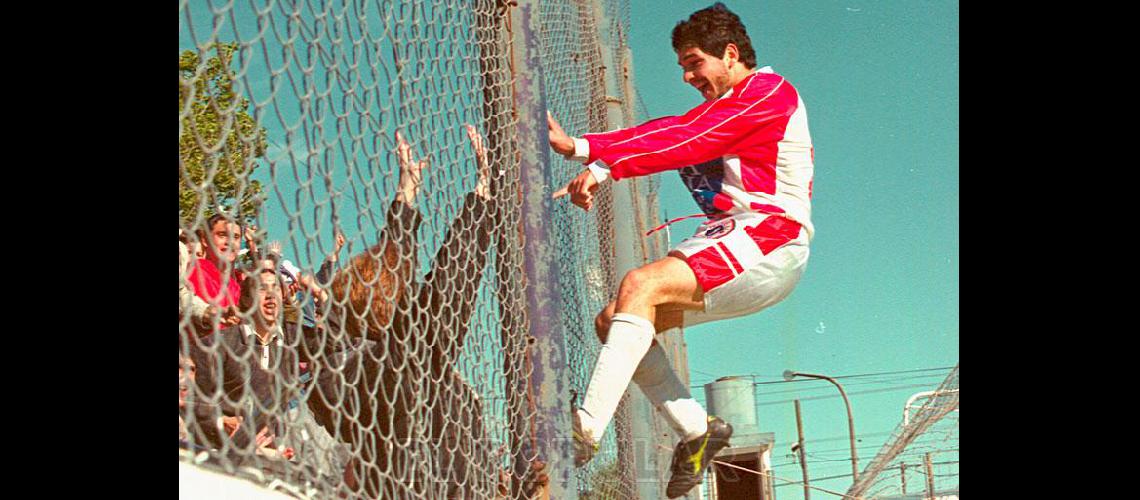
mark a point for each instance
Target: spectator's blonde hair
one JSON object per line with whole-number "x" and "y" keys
{"x": 373, "y": 287}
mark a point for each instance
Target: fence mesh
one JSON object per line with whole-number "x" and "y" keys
{"x": 922, "y": 454}
{"x": 351, "y": 312}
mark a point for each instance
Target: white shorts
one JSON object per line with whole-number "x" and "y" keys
{"x": 744, "y": 263}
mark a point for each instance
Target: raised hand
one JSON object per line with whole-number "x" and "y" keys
{"x": 340, "y": 240}
{"x": 410, "y": 171}
{"x": 250, "y": 237}
{"x": 482, "y": 187}
{"x": 231, "y": 424}
{"x": 230, "y": 317}
{"x": 264, "y": 438}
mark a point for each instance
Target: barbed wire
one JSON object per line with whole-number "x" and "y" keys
{"x": 909, "y": 437}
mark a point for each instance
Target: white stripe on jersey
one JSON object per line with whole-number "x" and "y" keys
{"x": 698, "y": 117}
{"x": 714, "y": 127}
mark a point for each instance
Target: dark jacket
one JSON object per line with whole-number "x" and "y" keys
{"x": 231, "y": 382}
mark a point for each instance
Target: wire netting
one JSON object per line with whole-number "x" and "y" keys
{"x": 921, "y": 456}
{"x": 351, "y": 312}
{"x": 593, "y": 92}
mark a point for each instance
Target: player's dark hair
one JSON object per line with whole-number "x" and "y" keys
{"x": 711, "y": 29}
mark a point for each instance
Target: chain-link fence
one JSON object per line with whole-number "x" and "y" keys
{"x": 352, "y": 312}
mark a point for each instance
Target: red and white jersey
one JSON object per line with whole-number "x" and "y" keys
{"x": 746, "y": 151}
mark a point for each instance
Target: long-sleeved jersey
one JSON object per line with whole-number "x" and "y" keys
{"x": 746, "y": 151}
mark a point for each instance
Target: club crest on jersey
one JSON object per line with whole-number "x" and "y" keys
{"x": 720, "y": 229}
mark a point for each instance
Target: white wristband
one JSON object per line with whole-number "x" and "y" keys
{"x": 581, "y": 150}
{"x": 601, "y": 173}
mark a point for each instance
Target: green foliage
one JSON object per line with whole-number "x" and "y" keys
{"x": 218, "y": 141}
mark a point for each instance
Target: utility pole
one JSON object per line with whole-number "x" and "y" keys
{"x": 902, "y": 474}
{"x": 790, "y": 374}
{"x": 929, "y": 478}
{"x": 803, "y": 454}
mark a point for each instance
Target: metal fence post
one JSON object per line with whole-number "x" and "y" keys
{"x": 549, "y": 385}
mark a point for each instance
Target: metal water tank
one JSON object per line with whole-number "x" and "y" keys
{"x": 734, "y": 400}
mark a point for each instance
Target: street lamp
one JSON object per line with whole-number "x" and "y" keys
{"x": 789, "y": 375}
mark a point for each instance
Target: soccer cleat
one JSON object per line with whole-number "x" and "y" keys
{"x": 584, "y": 444}
{"x": 692, "y": 458}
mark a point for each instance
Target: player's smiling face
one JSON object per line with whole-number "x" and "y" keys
{"x": 706, "y": 73}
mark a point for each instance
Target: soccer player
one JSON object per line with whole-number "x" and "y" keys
{"x": 746, "y": 156}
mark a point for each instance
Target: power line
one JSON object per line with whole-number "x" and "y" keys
{"x": 707, "y": 374}
{"x": 914, "y": 466}
{"x": 818, "y": 458}
{"x": 844, "y": 437}
{"x": 857, "y": 375}
{"x": 831, "y": 396}
{"x": 861, "y": 375}
{"x": 788, "y": 481}
{"x": 847, "y": 449}
{"x": 814, "y": 398}
{"x": 810, "y": 479}
{"x": 784, "y": 445}
{"x": 825, "y": 386}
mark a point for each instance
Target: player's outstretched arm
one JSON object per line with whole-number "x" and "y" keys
{"x": 560, "y": 141}
{"x": 582, "y": 149}
{"x": 711, "y": 130}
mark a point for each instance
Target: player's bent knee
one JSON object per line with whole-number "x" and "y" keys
{"x": 602, "y": 325}
{"x": 603, "y": 321}
{"x": 636, "y": 282}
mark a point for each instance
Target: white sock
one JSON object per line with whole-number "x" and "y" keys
{"x": 660, "y": 384}
{"x": 628, "y": 339}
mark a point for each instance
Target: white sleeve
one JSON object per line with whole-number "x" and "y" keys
{"x": 601, "y": 173}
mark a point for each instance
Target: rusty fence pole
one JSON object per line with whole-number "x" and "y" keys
{"x": 549, "y": 382}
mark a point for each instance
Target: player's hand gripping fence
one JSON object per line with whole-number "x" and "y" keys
{"x": 389, "y": 367}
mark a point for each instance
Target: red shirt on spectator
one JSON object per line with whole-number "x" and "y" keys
{"x": 206, "y": 281}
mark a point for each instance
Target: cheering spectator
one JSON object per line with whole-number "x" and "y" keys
{"x": 401, "y": 320}
{"x": 185, "y": 378}
{"x": 200, "y": 312}
{"x": 213, "y": 425}
{"x": 215, "y": 279}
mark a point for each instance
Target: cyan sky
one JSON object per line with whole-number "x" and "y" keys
{"x": 880, "y": 82}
